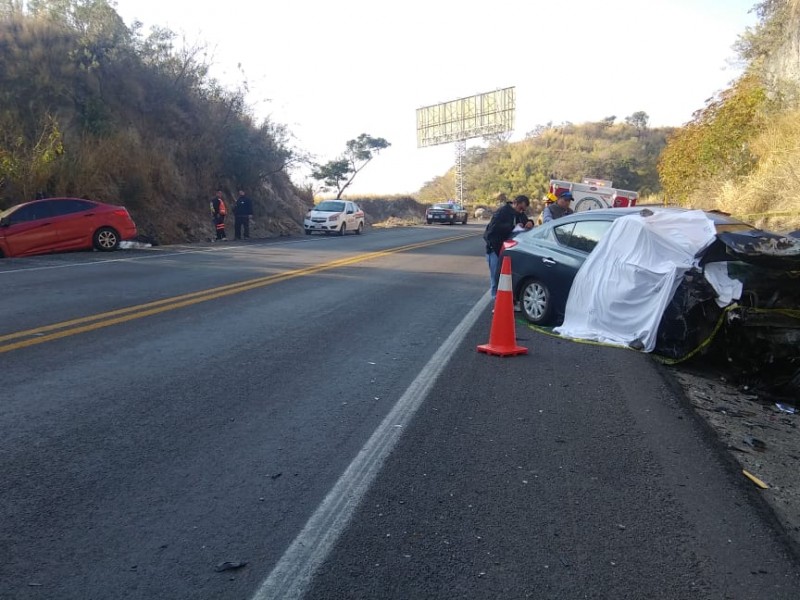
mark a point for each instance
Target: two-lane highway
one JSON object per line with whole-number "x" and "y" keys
{"x": 309, "y": 418}
{"x": 164, "y": 412}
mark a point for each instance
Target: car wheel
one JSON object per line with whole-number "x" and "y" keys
{"x": 343, "y": 230}
{"x": 429, "y": 221}
{"x": 360, "y": 229}
{"x": 536, "y": 302}
{"x": 464, "y": 222}
{"x": 308, "y": 232}
{"x": 105, "y": 239}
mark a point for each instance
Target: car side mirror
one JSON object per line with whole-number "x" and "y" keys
{"x": 4, "y": 222}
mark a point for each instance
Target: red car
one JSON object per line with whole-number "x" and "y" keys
{"x": 59, "y": 224}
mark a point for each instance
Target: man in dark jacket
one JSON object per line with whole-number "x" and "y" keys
{"x": 242, "y": 212}
{"x": 499, "y": 229}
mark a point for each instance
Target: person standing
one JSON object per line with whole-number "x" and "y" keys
{"x": 499, "y": 229}
{"x": 559, "y": 208}
{"x": 218, "y": 212}
{"x": 242, "y": 212}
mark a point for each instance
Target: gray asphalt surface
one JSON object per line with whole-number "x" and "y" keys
{"x": 137, "y": 459}
{"x": 575, "y": 471}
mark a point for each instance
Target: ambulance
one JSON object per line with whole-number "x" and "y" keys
{"x": 591, "y": 194}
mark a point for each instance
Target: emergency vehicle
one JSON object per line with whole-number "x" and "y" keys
{"x": 591, "y": 194}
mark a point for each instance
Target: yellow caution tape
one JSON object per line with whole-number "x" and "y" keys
{"x": 767, "y": 214}
{"x": 755, "y": 480}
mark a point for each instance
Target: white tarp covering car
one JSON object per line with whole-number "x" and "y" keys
{"x": 622, "y": 289}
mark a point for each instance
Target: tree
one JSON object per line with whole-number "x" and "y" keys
{"x": 639, "y": 120}
{"x": 25, "y": 162}
{"x": 339, "y": 173}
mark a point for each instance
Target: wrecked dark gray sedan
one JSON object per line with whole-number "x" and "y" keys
{"x": 759, "y": 321}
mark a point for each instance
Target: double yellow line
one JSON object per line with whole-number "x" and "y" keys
{"x": 55, "y": 331}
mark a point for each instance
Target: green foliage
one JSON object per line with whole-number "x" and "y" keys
{"x": 339, "y": 173}
{"x": 715, "y": 144}
{"x": 91, "y": 107}
{"x": 625, "y": 153}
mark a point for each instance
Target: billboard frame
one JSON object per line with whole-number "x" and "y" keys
{"x": 490, "y": 113}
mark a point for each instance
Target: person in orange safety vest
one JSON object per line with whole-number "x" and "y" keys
{"x": 218, "y": 212}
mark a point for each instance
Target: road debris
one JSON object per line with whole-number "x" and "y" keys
{"x": 755, "y": 479}
{"x": 230, "y": 565}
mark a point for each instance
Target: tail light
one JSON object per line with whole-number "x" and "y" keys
{"x": 509, "y": 244}
{"x": 121, "y": 212}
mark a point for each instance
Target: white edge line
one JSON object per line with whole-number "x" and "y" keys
{"x": 292, "y": 574}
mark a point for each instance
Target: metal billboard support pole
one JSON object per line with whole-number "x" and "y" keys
{"x": 461, "y": 153}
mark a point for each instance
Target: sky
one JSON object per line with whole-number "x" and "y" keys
{"x": 331, "y": 71}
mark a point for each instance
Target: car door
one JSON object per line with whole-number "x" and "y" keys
{"x": 31, "y": 230}
{"x": 350, "y": 216}
{"x": 76, "y": 220}
{"x": 576, "y": 240}
{"x": 559, "y": 255}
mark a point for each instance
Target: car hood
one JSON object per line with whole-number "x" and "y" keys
{"x": 762, "y": 248}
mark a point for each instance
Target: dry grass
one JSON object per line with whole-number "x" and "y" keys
{"x": 770, "y": 196}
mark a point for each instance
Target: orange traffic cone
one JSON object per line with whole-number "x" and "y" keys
{"x": 503, "y": 338}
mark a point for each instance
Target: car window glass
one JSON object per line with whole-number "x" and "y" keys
{"x": 30, "y": 212}
{"x": 563, "y": 233}
{"x": 66, "y": 207}
{"x": 586, "y": 234}
{"x": 331, "y": 206}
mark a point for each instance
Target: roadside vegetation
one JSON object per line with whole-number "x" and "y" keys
{"x": 91, "y": 107}
{"x": 741, "y": 152}
{"x": 626, "y": 152}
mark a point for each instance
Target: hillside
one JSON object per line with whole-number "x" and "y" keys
{"x": 89, "y": 107}
{"x": 624, "y": 152}
{"x": 741, "y": 152}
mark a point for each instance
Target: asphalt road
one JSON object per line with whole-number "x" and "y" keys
{"x": 309, "y": 418}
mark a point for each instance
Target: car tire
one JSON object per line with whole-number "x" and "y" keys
{"x": 359, "y": 229}
{"x": 308, "y": 232}
{"x": 536, "y": 302}
{"x": 464, "y": 222}
{"x": 429, "y": 221}
{"x": 343, "y": 229}
{"x": 105, "y": 239}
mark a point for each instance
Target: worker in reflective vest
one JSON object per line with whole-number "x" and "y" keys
{"x": 218, "y": 212}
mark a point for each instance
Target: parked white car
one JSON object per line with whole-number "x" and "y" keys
{"x": 335, "y": 216}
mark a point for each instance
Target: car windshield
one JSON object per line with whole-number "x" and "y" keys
{"x": 725, "y": 223}
{"x": 8, "y": 211}
{"x": 330, "y": 206}
{"x": 445, "y": 205}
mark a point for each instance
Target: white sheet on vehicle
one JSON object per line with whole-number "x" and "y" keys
{"x": 620, "y": 292}
{"x": 727, "y": 288}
